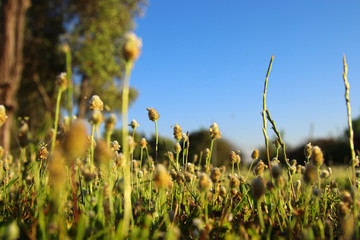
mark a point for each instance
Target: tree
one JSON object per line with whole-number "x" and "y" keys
{"x": 96, "y": 41}
{"x": 43, "y": 61}
{"x": 94, "y": 28}
{"x": 12, "y": 22}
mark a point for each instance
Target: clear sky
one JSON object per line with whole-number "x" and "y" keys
{"x": 206, "y": 61}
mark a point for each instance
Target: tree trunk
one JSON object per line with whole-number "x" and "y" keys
{"x": 84, "y": 96}
{"x": 11, "y": 52}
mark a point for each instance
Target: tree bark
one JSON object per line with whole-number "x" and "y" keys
{"x": 11, "y": 53}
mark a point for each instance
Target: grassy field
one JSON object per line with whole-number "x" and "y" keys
{"x": 76, "y": 185}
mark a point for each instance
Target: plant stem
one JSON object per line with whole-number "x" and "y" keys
{"x": 125, "y": 133}
{"x": 157, "y": 140}
{"x": 264, "y": 118}
{"x": 56, "y": 120}
{"x": 351, "y": 132}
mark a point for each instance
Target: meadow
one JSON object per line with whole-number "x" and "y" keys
{"x": 79, "y": 184}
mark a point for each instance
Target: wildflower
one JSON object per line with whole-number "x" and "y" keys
{"x": 96, "y": 103}
{"x": 317, "y": 156}
{"x": 214, "y": 131}
{"x": 3, "y": 115}
{"x": 177, "y": 132}
{"x": 62, "y": 81}
{"x": 132, "y": 47}
{"x": 153, "y": 114}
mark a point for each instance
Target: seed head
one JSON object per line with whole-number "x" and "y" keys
{"x": 62, "y": 81}
{"x": 75, "y": 141}
{"x": 3, "y": 115}
{"x": 310, "y": 173}
{"x": 177, "y": 148}
{"x": 317, "y": 157}
{"x": 43, "y": 153}
{"x": 280, "y": 182}
{"x": 215, "y": 174}
{"x": 255, "y": 154}
{"x": 325, "y": 174}
{"x": 270, "y": 186}
{"x": 308, "y": 150}
{"x": 204, "y": 182}
{"x": 110, "y": 122}
{"x": 276, "y": 170}
{"x": 96, "y": 103}
{"x": 57, "y": 169}
{"x": 170, "y": 156}
{"x": 134, "y": 124}
{"x": 131, "y": 143}
{"x": 234, "y": 182}
{"x": 96, "y": 117}
{"x": 258, "y": 187}
{"x": 140, "y": 174}
{"x": 115, "y": 146}
{"x": 259, "y": 169}
{"x": 153, "y": 114}
{"x": 177, "y": 132}
{"x": 207, "y": 152}
{"x": 238, "y": 158}
{"x": 214, "y": 131}
{"x": 190, "y": 167}
{"x": 223, "y": 191}
{"x": 184, "y": 137}
{"x": 143, "y": 143}
{"x": 103, "y": 154}
{"x": 162, "y": 177}
{"x": 132, "y": 47}
{"x": 233, "y": 157}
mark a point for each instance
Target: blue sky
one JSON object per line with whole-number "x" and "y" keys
{"x": 206, "y": 61}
